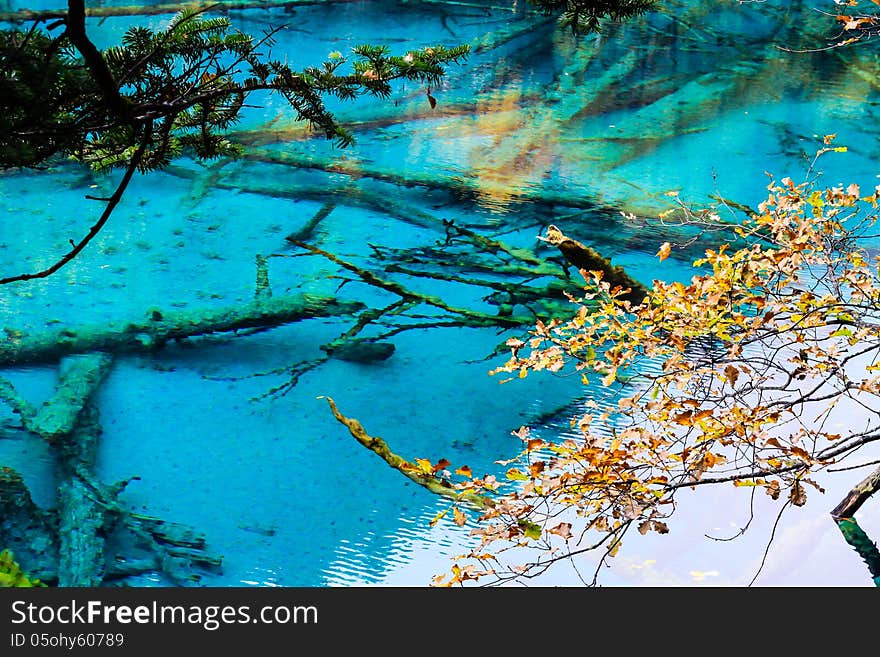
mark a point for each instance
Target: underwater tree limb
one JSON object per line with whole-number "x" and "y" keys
{"x": 70, "y": 419}
{"x": 17, "y": 403}
{"x": 306, "y": 231}
{"x": 409, "y": 470}
{"x": 175, "y": 548}
{"x": 519, "y": 292}
{"x": 476, "y": 318}
{"x": 88, "y": 511}
{"x": 81, "y": 553}
{"x": 347, "y": 347}
{"x": 80, "y": 377}
{"x": 585, "y": 258}
{"x": 160, "y": 327}
{"x": 490, "y": 245}
{"x": 58, "y": 415}
{"x": 67, "y": 545}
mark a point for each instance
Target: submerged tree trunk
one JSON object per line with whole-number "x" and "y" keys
{"x": 69, "y": 420}
{"x": 81, "y": 552}
{"x": 161, "y": 327}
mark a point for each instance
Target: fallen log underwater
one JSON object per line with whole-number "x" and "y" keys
{"x": 161, "y": 327}
{"x": 74, "y": 538}
{"x": 88, "y": 538}
{"x": 81, "y": 516}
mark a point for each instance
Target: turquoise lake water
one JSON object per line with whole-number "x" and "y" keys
{"x": 534, "y": 128}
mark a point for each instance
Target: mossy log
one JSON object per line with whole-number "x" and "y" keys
{"x": 160, "y": 327}
{"x": 411, "y": 471}
{"x": 70, "y": 421}
{"x": 82, "y": 558}
{"x": 79, "y": 378}
{"x": 58, "y": 414}
{"x": 69, "y": 544}
{"x": 587, "y": 259}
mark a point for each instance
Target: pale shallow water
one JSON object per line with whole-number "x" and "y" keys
{"x": 702, "y": 105}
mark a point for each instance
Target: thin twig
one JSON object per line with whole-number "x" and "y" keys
{"x": 770, "y": 542}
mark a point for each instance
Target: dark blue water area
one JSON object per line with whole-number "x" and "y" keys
{"x": 535, "y": 128}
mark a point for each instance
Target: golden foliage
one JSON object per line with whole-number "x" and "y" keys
{"x": 762, "y": 336}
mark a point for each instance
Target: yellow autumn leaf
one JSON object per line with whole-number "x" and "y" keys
{"x": 438, "y": 517}
{"x": 425, "y": 466}
{"x": 663, "y": 253}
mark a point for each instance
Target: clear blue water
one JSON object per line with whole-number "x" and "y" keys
{"x": 536, "y": 130}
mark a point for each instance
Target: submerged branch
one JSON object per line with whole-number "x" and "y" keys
{"x": 476, "y": 318}
{"x": 160, "y": 327}
{"x": 430, "y": 482}
{"x": 588, "y": 259}
{"x": 80, "y": 376}
{"x": 82, "y": 559}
